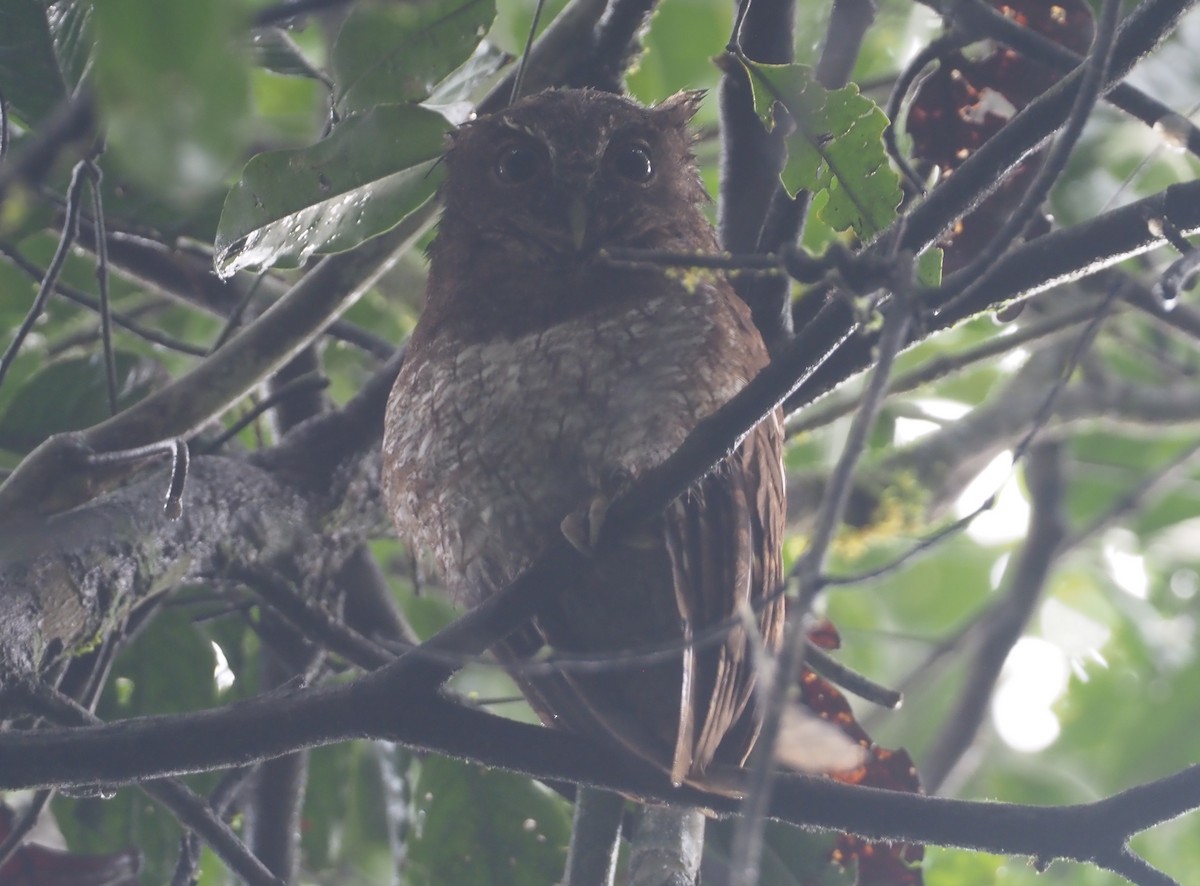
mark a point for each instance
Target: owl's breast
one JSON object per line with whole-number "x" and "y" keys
{"x": 488, "y": 445}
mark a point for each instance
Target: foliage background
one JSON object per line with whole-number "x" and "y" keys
{"x": 185, "y": 100}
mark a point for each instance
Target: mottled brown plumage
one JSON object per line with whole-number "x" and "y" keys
{"x": 541, "y": 379}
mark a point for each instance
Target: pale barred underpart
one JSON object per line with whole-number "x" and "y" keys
{"x": 491, "y": 422}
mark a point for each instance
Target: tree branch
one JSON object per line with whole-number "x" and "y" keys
{"x": 1022, "y": 589}
{"x": 155, "y": 746}
{"x": 595, "y": 837}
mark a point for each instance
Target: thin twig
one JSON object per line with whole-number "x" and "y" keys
{"x": 310, "y": 382}
{"x": 189, "y": 809}
{"x": 235, "y": 316}
{"x": 82, "y": 298}
{"x": 943, "y": 365}
{"x": 519, "y": 79}
{"x": 95, "y": 178}
{"x": 23, "y": 824}
{"x": 747, "y": 843}
{"x": 69, "y": 233}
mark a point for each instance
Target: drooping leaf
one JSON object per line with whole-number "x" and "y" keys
{"x": 372, "y": 171}
{"x": 70, "y": 394}
{"x": 173, "y": 85}
{"x": 836, "y": 146}
{"x": 395, "y": 52}
{"x": 477, "y": 827}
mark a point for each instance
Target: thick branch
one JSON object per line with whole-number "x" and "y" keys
{"x": 68, "y": 578}
{"x": 157, "y": 746}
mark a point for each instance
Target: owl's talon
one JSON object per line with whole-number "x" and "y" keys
{"x": 574, "y": 529}
{"x": 582, "y": 528}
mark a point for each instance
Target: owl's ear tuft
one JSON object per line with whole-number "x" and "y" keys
{"x": 680, "y": 108}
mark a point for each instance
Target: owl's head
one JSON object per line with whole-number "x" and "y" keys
{"x": 565, "y": 172}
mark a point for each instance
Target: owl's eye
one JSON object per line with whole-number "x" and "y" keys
{"x": 632, "y": 161}
{"x": 517, "y": 164}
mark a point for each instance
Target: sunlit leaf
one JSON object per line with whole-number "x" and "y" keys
{"x": 374, "y": 169}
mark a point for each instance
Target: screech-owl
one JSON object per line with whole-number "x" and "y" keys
{"x": 541, "y": 378}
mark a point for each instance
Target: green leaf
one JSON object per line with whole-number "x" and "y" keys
{"x": 790, "y": 857}
{"x": 128, "y": 819}
{"x": 485, "y": 827}
{"x": 173, "y": 86}
{"x": 276, "y": 50}
{"x": 346, "y": 810}
{"x": 929, "y": 267}
{"x": 836, "y": 146}
{"x": 71, "y": 33}
{"x": 70, "y": 394}
{"x": 394, "y": 52}
{"x": 32, "y": 78}
{"x": 364, "y": 179}
{"x": 168, "y": 668}
{"x": 454, "y": 96}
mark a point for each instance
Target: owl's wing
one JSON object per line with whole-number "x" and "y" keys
{"x": 724, "y": 539}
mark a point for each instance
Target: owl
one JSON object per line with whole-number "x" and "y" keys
{"x": 542, "y": 379}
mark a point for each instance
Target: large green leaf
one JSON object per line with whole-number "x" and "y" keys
{"x": 42, "y": 54}
{"x": 70, "y": 394}
{"x": 173, "y": 83}
{"x": 836, "y": 146}
{"x": 394, "y": 52}
{"x": 369, "y": 174}
{"x": 485, "y": 827}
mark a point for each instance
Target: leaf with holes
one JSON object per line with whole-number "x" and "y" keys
{"x": 371, "y": 172}
{"x": 836, "y": 146}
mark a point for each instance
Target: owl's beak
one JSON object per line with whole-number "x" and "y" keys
{"x": 577, "y": 221}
